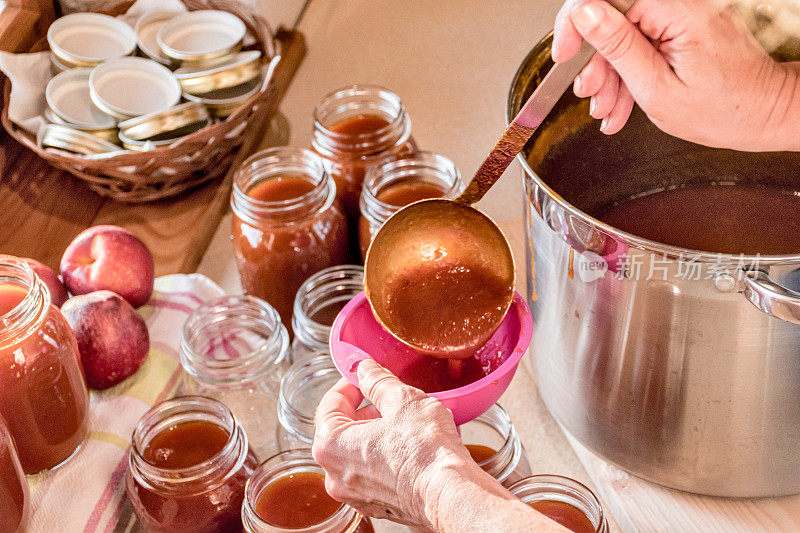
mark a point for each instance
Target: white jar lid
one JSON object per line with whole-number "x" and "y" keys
{"x": 146, "y": 31}
{"x": 131, "y": 86}
{"x": 86, "y": 39}
{"x": 201, "y": 36}
{"x": 67, "y": 94}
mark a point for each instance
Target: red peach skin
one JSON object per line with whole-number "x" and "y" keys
{"x": 58, "y": 294}
{"x": 109, "y": 258}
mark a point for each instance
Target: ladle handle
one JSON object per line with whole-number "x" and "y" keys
{"x": 532, "y": 114}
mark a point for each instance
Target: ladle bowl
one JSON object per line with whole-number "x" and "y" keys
{"x": 437, "y": 230}
{"x": 356, "y": 335}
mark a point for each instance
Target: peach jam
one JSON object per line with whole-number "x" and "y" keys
{"x": 286, "y": 225}
{"x": 188, "y": 466}
{"x": 43, "y": 395}
{"x": 563, "y": 500}
{"x": 287, "y": 493}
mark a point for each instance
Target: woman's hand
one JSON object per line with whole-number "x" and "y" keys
{"x": 389, "y": 458}
{"x": 691, "y": 65}
{"x": 401, "y": 458}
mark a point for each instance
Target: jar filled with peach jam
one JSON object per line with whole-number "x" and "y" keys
{"x": 235, "y": 349}
{"x": 355, "y": 127}
{"x": 319, "y": 300}
{"x": 43, "y": 395}
{"x": 188, "y": 466}
{"x": 401, "y": 180}
{"x": 14, "y": 496}
{"x": 286, "y": 225}
{"x": 564, "y": 500}
{"x": 495, "y": 445}
{"x": 302, "y": 388}
{"x": 287, "y": 493}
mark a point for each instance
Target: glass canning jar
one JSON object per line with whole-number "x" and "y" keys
{"x": 320, "y": 298}
{"x": 302, "y": 388}
{"x": 235, "y": 349}
{"x": 182, "y": 477}
{"x": 399, "y": 180}
{"x": 15, "y": 504}
{"x": 286, "y": 224}
{"x": 43, "y": 395}
{"x": 572, "y": 499}
{"x": 273, "y": 489}
{"x": 354, "y": 127}
{"x": 494, "y": 444}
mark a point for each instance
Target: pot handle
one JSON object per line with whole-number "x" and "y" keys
{"x": 771, "y": 297}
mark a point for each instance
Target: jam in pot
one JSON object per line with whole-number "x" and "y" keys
{"x": 286, "y": 225}
{"x": 43, "y": 395}
{"x": 287, "y": 493}
{"x": 188, "y": 467}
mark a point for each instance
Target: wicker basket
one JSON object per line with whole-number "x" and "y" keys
{"x": 200, "y": 157}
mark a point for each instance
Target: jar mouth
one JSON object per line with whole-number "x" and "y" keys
{"x": 503, "y": 462}
{"x": 301, "y": 388}
{"x": 233, "y": 341}
{"x": 276, "y": 163}
{"x": 355, "y": 100}
{"x": 24, "y": 317}
{"x": 215, "y": 469}
{"x": 417, "y": 167}
{"x": 330, "y": 286}
{"x": 553, "y": 487}
{"x": 277, "y": 466}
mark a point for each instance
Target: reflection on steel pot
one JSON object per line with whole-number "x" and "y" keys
{"x": 681, "y": 367}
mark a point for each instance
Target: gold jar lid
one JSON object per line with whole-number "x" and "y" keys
{"x": 75, "y": 141}
{"x": 107, "y": 134}
{"x": 241, "y": 68}
{"x": 201, "y": 38}
{"x": 147, "y": 28}
{"x": 56, "y": 66}
{"x": 165, "y": 138}
{"x": 222, "y": 102}
{"x": 164, "y": 122}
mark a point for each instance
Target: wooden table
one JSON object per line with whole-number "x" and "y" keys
{"x": 42, "y": 209}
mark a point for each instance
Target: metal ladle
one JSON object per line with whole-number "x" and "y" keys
{"x": 430, "y": 229}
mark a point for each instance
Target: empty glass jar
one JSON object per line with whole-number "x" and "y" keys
{"x": 317, "y": 303}
{"x": 236, "y": 350}
{"x": 302, "y": 388}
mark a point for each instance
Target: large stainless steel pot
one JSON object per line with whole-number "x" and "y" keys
{"x": 679, "y": 367}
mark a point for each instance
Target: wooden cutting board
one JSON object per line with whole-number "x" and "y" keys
{"x": 42, "y": 209}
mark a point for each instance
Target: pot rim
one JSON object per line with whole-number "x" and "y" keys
{"x": 627, "y": 238}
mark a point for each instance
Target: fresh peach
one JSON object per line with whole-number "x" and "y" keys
{"x": 109, "y": 258}
{"x": 112, "y": 337}
{"x": 58, "y": 294}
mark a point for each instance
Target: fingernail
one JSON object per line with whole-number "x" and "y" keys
{"x": 587, "y": 17}
{"x": 364, "y": 365}
{"x": 592, "y": 106}
{"x": 604, "y": 125}
{"x": 577, "y": 84}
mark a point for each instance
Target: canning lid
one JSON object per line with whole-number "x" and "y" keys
{"x": 129, "y": 87}
{"x": 75, "y": 141}
{"x": 87, "y": 39}
{"x": 200, "y": 38}
{"x": 163, "y": 139}
{"x": 67, "y": 95}
{"x": 222, "y": 102}
{"x": 237, "y": 70}
{"x": 146, "y": 31}
{"x": 57, "y": 66}
{"x": 164, "y": 122}
{"x": 108, "y": 134}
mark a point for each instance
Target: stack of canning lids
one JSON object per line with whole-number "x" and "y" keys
{"x": 100, "y": 98}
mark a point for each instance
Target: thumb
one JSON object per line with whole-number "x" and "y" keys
{"x": 622, "y": 44}
{"x": 382, "y": 388}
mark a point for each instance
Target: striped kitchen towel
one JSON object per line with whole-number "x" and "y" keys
{"x": 87, "y": 494}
